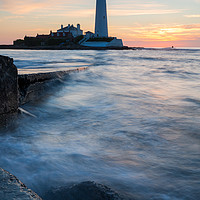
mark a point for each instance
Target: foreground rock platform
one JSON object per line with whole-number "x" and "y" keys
{"x": 13, "y": 189}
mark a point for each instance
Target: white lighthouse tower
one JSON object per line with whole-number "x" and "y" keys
{"x": 100, "y": 37}
{"x": 101, "y": 24}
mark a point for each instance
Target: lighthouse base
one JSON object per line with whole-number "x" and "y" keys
{"x": 113, "y": 43}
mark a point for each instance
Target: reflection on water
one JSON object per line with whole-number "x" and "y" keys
{"x": 131, "y": 122}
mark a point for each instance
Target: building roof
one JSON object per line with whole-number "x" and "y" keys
{"x": 68, "y": 28}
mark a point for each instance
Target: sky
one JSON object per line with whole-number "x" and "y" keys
{"x": 144, "y": 23}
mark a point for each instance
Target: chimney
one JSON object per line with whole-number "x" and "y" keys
{"x": 61, "y": 26}
{"x": 78, "y": 26}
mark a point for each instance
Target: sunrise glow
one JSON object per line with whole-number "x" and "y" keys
{"x": 145, "y": 23}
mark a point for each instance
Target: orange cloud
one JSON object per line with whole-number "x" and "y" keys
{"x": 20, "y": 6}
{"x": 158, "y": 32}
{"x": 27, "y": 6}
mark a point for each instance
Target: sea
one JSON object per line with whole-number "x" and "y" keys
{"x": 131, "y": 121}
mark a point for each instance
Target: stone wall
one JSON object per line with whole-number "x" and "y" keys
{"x": 8, "y": 86}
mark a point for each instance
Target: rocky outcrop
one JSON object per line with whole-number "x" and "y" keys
{"x": 83, "y": 191}
{"x": 12, "y": 188}
{"x": 16, "y": 90}
{"x": 8, "y": 86}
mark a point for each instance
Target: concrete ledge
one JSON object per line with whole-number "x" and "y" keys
{"x": 13, "y": 188}
{"x": 33, "y": 86}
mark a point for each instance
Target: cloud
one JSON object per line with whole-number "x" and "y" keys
{"x": 142, "y": 12}
{"x": 82, "y": 8}
{"x": 90, "y": 12}
{"x": 21, "y": 6}
{"x": 159, "y": 32}
{"x": 131, "y": 8}
{"x": 28, "y": 6}
{"x": 192, "y": 16}
{"x": 70, "y": 13}
{"x": 13, "y": 17}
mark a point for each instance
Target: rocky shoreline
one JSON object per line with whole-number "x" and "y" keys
{"x": 11, "y": 188}
{"x": 16, "y": 90}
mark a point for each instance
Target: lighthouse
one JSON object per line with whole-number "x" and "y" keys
{"x": 100, "y": 37}
{"x": 101, "y": 24}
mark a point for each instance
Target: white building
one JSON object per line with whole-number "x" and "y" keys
{"x": 75, "y": 31}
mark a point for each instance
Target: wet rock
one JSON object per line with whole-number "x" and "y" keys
{"x": 83, "y": 191}
{"x": 8, "y": 86}
{"x": 13, "y": 189}
{"x": 33, "y": 86}
{"x": 7, "y": 120}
